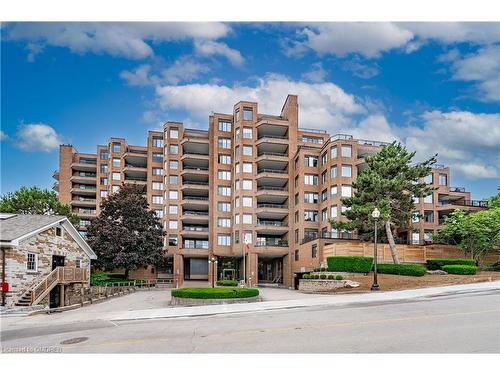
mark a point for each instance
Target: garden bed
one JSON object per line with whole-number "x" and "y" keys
{"x": 213, "y": 296}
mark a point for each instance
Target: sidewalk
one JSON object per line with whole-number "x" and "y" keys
{"x": 335, "y": 300}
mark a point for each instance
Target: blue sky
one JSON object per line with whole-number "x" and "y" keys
{"x": 433, "y": 86}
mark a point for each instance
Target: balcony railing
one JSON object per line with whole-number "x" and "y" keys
{"x": 191, "y": 246}
{"x": 202, "y": 183}
{"x": 267, "y": 170}
{"x": 195, "y": 229}
{"x": 189, "y": 197}
{"x": 456, "y": 189}
{"x": 186, "y": 153}
{"x": 272, "y": 136}
{"x": 270, "y": 205}
{"x": 196, "y": 213}
{"x": 467, "y": 203}
{"x": 344, "y": 137}
{"x": 195, "y": 168}
{"x": 344, "y": 236}
{"x": 87, "y": 161}
{"x": 271, "y": 223}
{"x": 283, "y": 154}
{"x": 271, "y": 188}
{"x": 278, "y": 242}
{"x": 372, "y": 143}
{"x": 309, "y": 130}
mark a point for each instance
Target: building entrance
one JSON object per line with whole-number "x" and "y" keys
{"x": 270, "y": 270}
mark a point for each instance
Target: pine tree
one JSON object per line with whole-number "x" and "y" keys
{"x": 389, "y": 183}
{"x": 126, "y": 234}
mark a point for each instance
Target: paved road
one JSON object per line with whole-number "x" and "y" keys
{"x": 465, "y": 323}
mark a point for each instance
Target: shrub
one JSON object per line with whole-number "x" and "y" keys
{"x": 339, "y": 277}
{"x": 349, "y": 264}
{"x": 317, "y": 269}
{"x": 306, "y": 276}
{"x": 227, "y": 283}
{"x": 215, "y": 293}
{"x": 460, "y": 269}
{"x": 436, "y": 264}
{"x": 316, "y": 276}
{"x": 322, "y": 277}
{"x": 331, "y": 277}
{"x": 402, "y": 269}
{"x": 97, "y": 278}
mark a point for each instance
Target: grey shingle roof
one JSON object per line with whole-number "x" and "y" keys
{"x": 17, "y": 225}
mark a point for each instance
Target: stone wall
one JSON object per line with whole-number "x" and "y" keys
{"x": 45, "y": 245}
{"x": 323, "y": 286}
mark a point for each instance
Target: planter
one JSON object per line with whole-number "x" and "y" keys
{"x": 324, "y": 286}
{"x": 179, "y": 301}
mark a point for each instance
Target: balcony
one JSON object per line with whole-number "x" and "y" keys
{"x": 275, "y": 242}
{"x": 86, "y": 165}
{"x": 86, "y": 213}
{"x": 272, "y": 156}
{"x": 134, "y": 180}
{"x": 195, "y": 217}
{"x": 88, "y": 190}
{"x": 83, "y": 202}
{"x": 456, "y": 189}
{"x": 55, "y": 186}
{"x": 271, "y": 227}
{"x": 462, "y": 204}
{"x": 272, "y": 142}
{"x": 267, "y": 190}
{"x": 135, "y": 170}
{"x": 195, "y": 231}
{"x": 55, "y": 175}
{"x": 195, "y": 173}
{"x": 193, "y": 156}
{"x": 194, "y": 203}
{"x": 137, "y": 158}
{"x": 83, "y": 177}
{"x": 272, "y": 177}
{"x": 271, "y": 211}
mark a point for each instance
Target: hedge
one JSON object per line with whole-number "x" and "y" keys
{"x": 227, "y": 283}
{"x": 402, "y": 269}
{"x": 436, "y": 264}
{"x": 215, "y": 293}
{"x": 460, "y": 269}
{"x": 349, "y": 264}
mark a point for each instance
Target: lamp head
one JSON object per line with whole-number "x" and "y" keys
{"x": 375, "y": 213}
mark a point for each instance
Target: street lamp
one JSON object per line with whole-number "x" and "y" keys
{"x": 375, "y": 215}
{"x": 213, "y": 261}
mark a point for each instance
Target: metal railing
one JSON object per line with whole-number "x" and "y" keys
{"x": 187, "y": 153}
{"x": 282, "y": 154}
{"x": 310, "y": 130}
{"x": 196, "y": 229}
{"x": 196, "y": 213}
{"x": 466, "y": 203}
{"x": 195, "y": 183}
{"x": 189, "y": 246}
{"x": 369, "y": 142}
{"x": 272, "y": 137}
{"x": 195, "y": 168}
{"x": 271, "y": 223}
{"x": 87, "y": 161}
{"x": 189, "y": 197}
{"x": 457, "y": 189}
{"x": 267, "y": 170}
{"x": 271, "y": 188}
{"x": 271, "y": 242}
{"x": 344, "y": 137}
{"x": 271, "y": 205}
{"x": 345, "y": 236}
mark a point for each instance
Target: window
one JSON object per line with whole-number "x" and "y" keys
{"x": 346, "y": 191}
{"x": 323, "y": 177}
{"x": 333, "y": 152}
{"x": 157, "y": 185}
{"x": 224, "y": 240}
{"x": 344, "y": 209}
{"x": 115, "y": 188}
{"x": 224, "y": 142}
{"x": 247, "y": 150}
{"x": 247, "y": 201}
{"x": 296, "y": 236}
{"x": 157, "y": 142}
{"x": 311, "y": 197}
{"x": 333, "y": 191}
{"x": 443, "y": 180}
{"x": 296, "y": 181}
{"x": 333, "y": 171}
{"x": 428, "y": 216}
{"x": 415, "y": 237}
{"x": 237, "y": 134}
{"x": 314, "y": 251}
{"x": 324, "y": 158}
{"x": 31, "y": 262}
{"x": 247, "y": 184}
{"x": 224, "y": 175}
{"x": 247, "y": 114}
{"x": 296, "y": 217}
{"x": 428, "y": 199}
{"x": 117, "y": 147}
{"x": 311, "y": 215}
{"x": 78, "y": 263}
{"x": 428, "y": 179}
{"x": 346, "y": 170}
{"x": 104, "y": 181}
{"x": 173, "y": 194}
{"x": 116, "y": 176}
{"x": 224, "y": 191}
{"x": 296, "y": 255}
{"x": 237, "y": 115}
{"x": 223, "y": 207}
{"x": 116, "y": 162}
{"x": 316, "y": 140}
{"x": 236, "y": 236}
{"x": 173, "y": 133}
{"x": 224, "y": 126}
{"x": 247, "y": 237}
{"x": 173, "y": 164}
{"x": 237, "y": 202}
{"x": 237, "y": 185}
{"x": 296, "y": 200}
{"x": 157, "y": 171}
{"x": 237, "y": 219}
{"x": 333, "y": 211}
{"x": 224, "y": 159}
{"x": 416, "y": 200}
{"x": 237, "y": 167}
{"x": 172, "y": 240}
{"x": 223, "y": 222}
{"x": 159, "y": 213}
{"x": 247, "y": 133}
{"x": 172, "y": 224}
{"x": 104, "y": 193}
{"x": 346, "y": 151}
{"x": 104, "y": 168}
{"x": 324, "y": 195}
{"x": 324, "y": 214}
{"x": 427, "y": 236}
{"x": 172, "y": 209}
{"x": 157, "y": 199}
{"x": 311, "y": 179}
{"x": 104, "y": 155}
{"x": 157, "y": 157}
{"x": 59, "y": 232}
{"x": 415, "y": 217}
{"x": 310, "y": 161}
{"x": 247, "y": 167}
{"x": 247, "y": 219}
{"x": 173, "y": 149}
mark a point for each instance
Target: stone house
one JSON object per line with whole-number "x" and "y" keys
{"x": 41, "y": 256}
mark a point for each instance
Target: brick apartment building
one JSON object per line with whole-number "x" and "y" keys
{"x": 253, "y": 186}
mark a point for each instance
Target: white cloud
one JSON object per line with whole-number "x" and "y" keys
{"x": 322, "y": 105}
{"x": 37, "y": 137}
{"x": 3, "y": 135}
{"x": 211, "y": 48}
{"x": 361, "y": 70}
{"x": 183, "y": 70}
{"x": 467, "y": 142}
{"x": 482, "y": 67}
{"x": 374, "y": 127}
{"x": 140, "y": 76}
{"x": 456, "y": 32}
{"x": 124, "y": 39}
{"x": 316, "y": 74}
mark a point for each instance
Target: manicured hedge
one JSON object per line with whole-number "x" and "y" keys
{"x": 215, "y": 293}
{"x": 349, "y": 264}
{"x": 402, "y": 269}
{"x": 227, "y": 283}
{"x": 437, "y": 264}
{"x": 460, "y": 269}
{"x": 307, "y": 276}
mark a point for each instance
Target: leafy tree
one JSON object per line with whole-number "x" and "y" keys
{"x": 389, "y": 183}
{"x": 35, "y": 201}
{"x": 126, "y": 234}
{"x": 475, "y": 233}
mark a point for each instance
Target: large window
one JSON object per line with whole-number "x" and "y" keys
{"x": 311, "y": 215}
{"x": 333, "y": 171}
{"x": 173, "y": 149}
{"x": 333, "y": 211}
{"x": 224, "y": 142}
{"x": 157, "y": 199}
{"x": 31, "y": 263}
{"x": 247, "y": 184}
{"x": 415, "y": 217}
{"x": 346, "y": 170}
{"x": 346, "y": 191}
{"x": 157, "y": 171}
{"x": 173, "y": 179}
{"x": 104, "y": 155}
{"x": 224, "y": 222}
{"x": 173, "y": 194}
{"x": 157, "y": 185}
{"x": 310, "y": 161}
{"x": 247, "y": 202}
{"x": 310, "y": 197}
{"x": 116, "y": 162}
{"x": 346, "y": 151}
{"x": 224, "y": 126}
{"x": 428, "y": 179}
{"x": 324, "y": 195}
{"x": 223, "y": 206}
{"x": 247, "y": 219}
{"x": 247, "y": 133}
{"x": 324, "y": 158}
{"x": 247, "y": 167}
{"x": 428, "y": 199}
{"x": 314, "y": 251}
{"x": 172, "y": 209}
{"x": 116, "y": 176}
{"x": 172, "y": 224}
{"x": 224, "y": 175}
{"x": 333, "y": 152}
{"x": 174, "y": 133}
{"x": 157, "y": 157}
{"x": 117, "y": 147}
{"x": 247, "y": 114}
{"x": 104, "y": 181}
{"x": 157, "y": 142}
{"x": 224, "y": 191}
{"x": 311, "y": 179}
{"x": 247, "y": 150}
{"x": 443, "y": 180}
{"x": 224, "y": 159}
{"x": 415, "y": 238}
{"x": 104, "y": 167}
{"x": 237, "y": 115}
{"x": 333, "y": 191}
{"x": 224, "y": 240}
{"x": 173, "y": 164}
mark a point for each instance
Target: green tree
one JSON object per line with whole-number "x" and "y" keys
{"x": 389, "y": 182}
{"x": 35, "y": 201}
{"x": 475, "y": 233}
{"x": 126, "y": 234}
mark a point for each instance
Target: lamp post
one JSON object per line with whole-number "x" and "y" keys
{"x": 213, "y": 262}
{"x": 375, "y": 215}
